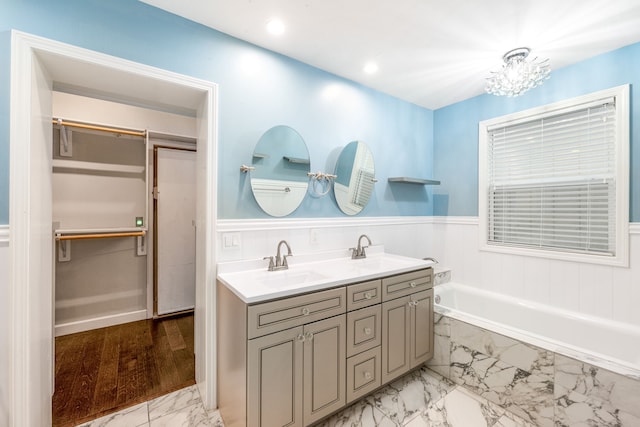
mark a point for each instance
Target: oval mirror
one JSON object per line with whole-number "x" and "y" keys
{"x": 356, "y": 177}
{"x": 279, "y": 181}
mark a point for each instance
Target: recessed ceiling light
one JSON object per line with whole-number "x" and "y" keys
{"x": 275, "y": 27}
{"x": 370, "y": 67}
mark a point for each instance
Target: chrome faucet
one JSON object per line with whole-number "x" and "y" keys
{"x": 280, "y": 261}
{"x": 358, "y": 253}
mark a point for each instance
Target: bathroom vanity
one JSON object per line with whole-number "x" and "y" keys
{"x": 335, "y": 331}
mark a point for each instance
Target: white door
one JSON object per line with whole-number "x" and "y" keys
{"x": 175, "y": 230}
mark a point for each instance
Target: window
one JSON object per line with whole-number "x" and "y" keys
{"x": 554, "y": 180}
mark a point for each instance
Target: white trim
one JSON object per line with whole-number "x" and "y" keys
{"x": 4, "y": 234}
{"x": 232, "y": 225}
{"x": 461, "y": 220}
{"x": 634, "y": 227}
{"x": 621, "y": 258}
{"x": 99, "y": 322}
{"x": 31, "y": 326}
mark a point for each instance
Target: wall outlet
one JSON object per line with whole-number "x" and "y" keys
{"x": 231, "y": 240}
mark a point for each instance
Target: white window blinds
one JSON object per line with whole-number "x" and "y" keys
{"x": 551, "y": 180}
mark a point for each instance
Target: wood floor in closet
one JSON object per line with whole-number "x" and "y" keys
{"x": 105, "y": 370}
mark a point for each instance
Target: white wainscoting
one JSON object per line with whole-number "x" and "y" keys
{"x": 251, "y": 239}
{"x": 605, "y": 291}
{"x": 5, "y": 332}
{"x": 4, "y": 235}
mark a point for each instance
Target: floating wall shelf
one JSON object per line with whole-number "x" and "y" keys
{"x": 296, "y": 160}
{"x": 418, "y": 181}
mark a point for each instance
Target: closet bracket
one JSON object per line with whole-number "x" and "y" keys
{"x": 66, "y": 146}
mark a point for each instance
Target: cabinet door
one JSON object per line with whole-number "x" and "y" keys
{"x": 324, "y": 367}
{"x": 274, "y": 379}
{"x": 421, "y": 327}
{"x": 396, "y": 338}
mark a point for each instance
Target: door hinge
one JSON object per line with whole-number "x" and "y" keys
{"x": 155, "y": 193}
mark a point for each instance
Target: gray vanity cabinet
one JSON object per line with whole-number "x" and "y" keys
{"x": 274, "y": 379}
{"x": 296, "y": 376}
{"x": 295, "y": 360}
{"x": 324, "y": 368}
{"x": 407, "y": 324}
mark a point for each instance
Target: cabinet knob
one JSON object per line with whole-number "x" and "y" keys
{"x": 413, "y": 284}
{"x": 300, "y": 338}
{"x": 367, "y": 375}
{"x": 305, "y": 311}
{"x": 367, "y": 331}
{"x": 367, "y": 295}
{"x": 308, "y": 336}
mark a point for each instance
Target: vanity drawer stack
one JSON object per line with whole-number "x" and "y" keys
{"x": 295, "y": 360}
{"x": 364, "y": 337}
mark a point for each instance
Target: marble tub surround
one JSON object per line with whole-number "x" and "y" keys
{"x": 441, "y": 275}
{"x": 250, "y": 281}
{"x": 542, "y": 387}
{"x": 588, "y": 395}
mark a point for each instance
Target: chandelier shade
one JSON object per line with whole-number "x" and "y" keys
{"x": 518, "y": 74}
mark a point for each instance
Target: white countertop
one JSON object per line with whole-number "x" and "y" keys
{"x": 252, "y": 282}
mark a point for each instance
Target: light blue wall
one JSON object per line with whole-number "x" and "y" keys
{"x": 258, "y": 90}
{"x": 456, "y": 126}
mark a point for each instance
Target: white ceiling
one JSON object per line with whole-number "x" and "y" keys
{"x": 429, "y": 52}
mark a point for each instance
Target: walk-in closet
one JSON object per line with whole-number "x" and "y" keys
{"x": 123, "y": 199}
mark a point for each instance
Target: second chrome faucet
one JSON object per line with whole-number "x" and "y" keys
{"x": 280, "y": 261}
{"x": 358, "y": 252}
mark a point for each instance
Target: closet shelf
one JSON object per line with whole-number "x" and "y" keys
{"x": 418, "y": 181}
{"x": 62, "y": 164}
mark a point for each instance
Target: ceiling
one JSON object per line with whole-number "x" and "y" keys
{"x": 430, "y": 52}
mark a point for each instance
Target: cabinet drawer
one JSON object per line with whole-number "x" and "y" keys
{"x": 364, "y": 329}
{"x": 363, "y": 294}
{"x": 405, "y": 284}
{"x": 363, "y": 373}
{"x": 282, "y": 314}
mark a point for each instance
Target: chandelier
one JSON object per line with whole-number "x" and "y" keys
{"x": 517, "y": 75}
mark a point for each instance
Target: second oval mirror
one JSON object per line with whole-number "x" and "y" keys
{"x": 279, "y": 181}
{"x": 356, "y": 178}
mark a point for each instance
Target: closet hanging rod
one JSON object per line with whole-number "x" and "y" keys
{"x": 140, "y": 133}
{"x": 99, "y": 236}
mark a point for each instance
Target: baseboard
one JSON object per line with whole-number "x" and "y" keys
{"x": 99, "y": 322}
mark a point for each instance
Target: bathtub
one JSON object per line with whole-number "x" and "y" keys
{"x": 604, "y": 343}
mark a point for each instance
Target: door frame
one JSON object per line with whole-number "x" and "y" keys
{"x": 155, "y": 225}
{"x": 36, "y": 65}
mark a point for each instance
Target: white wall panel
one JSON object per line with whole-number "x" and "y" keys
{"x": 536, "y": 279}
{"x": 5, "y": 332}
{"x": 605, "y": 291}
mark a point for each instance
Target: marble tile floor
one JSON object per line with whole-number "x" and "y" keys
{"x": 422, "y": 398}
